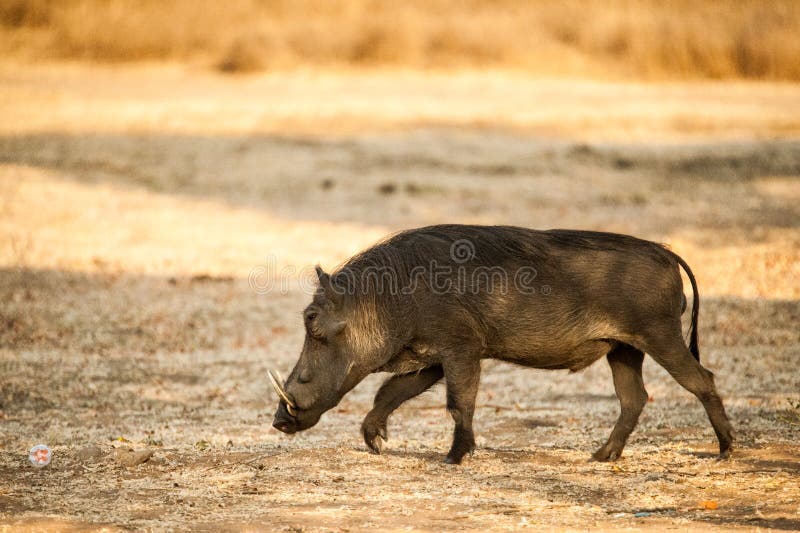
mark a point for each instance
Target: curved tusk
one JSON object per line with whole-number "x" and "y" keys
{"x": 277, "y": 381}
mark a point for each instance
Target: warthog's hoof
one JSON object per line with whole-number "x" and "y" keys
{"x": 459, "y": 450}
{"x": 724, "y": 455}
{"x": 607, "y": 453}
{"x": 374, "y": 433}
{"x": 456, "y": 459}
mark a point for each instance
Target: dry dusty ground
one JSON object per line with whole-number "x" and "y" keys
{"x": 136, "y": 203}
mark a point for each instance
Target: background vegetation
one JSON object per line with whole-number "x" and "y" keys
{"x": 618, "y": 38}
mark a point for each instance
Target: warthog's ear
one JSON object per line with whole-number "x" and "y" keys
{"x": 324, "y": 278}
{"x": 326, "y": 284}
{"x": 324, "y": 281}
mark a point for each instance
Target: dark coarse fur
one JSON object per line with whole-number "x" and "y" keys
{"x": 557, "y": 299}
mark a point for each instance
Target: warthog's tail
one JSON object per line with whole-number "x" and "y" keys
{"x": 695, "y": 307}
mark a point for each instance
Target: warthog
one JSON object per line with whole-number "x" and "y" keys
{"x": 430, "y": 303}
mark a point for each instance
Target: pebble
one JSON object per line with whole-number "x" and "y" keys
{"x": 131, "y": 458}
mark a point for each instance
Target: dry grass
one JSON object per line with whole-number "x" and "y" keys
{"x": 134, "y": 202}
{"x": 642, "y": 38}
{"x": 180, "y": 100}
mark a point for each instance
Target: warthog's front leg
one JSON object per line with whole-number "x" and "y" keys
{"x": 462, "y": 376}
{"x": 394, "y": 391}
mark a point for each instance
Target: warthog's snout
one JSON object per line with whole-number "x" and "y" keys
{"x": 283, "y": 420}
{"x": 286, "y": 415}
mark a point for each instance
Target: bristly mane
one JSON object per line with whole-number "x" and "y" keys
{"x": 492, "y": 246}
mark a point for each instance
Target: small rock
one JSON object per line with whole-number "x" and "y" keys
{"x": 89, "y": 453}
{"x": 129, "y": 458}
{"x": 643, "y": 514}
{"x": 387, "y": 188}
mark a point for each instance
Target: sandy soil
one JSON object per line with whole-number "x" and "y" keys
{"x": 141, "y": 206}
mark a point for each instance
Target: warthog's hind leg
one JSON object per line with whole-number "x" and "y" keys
{"x": 668, "y": 350}
{"x": 394, "y": 391}
{"x": 626, "y": 368}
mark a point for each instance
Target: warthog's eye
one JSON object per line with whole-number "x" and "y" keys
{"x": 313, "y": 327}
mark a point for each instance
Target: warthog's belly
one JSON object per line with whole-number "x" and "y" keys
{"x": 576, "y": 358}
{"x": 418, "y": 356}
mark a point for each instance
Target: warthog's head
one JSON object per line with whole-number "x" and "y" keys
{"x": 327, "y": 368}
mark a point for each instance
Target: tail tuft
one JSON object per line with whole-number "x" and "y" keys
{"x": 693, "y": 341}
{"x": 693, "y": 344}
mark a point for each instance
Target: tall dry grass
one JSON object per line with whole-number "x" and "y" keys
{"x": 641, "y": 38}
